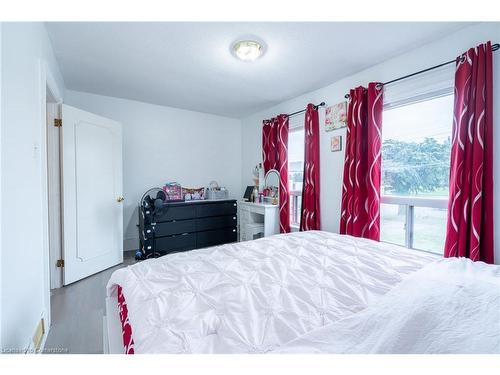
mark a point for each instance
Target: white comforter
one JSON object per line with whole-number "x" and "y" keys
{"x": 451, "y": 306}
{"x": 255, "y": 296}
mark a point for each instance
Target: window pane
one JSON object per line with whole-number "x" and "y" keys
{"x": 429, "y": 229}
{"x": 416, "y": 148}
{"x": 295, "y": 172}
{"x": 392, "y": 223}
{"x": 296, "y": 159}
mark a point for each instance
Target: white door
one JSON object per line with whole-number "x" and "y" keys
{"x": 92, "y": 193}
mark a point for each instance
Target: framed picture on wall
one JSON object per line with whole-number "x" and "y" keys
{"x": 336, "y": 143}
{"x": 336, "y": 116}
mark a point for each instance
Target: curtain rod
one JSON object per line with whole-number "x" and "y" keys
{"x": 494, "y": 47}
{"x": 303, "y": 110}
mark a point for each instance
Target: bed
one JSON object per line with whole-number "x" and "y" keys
{"x": 302, "y": 292}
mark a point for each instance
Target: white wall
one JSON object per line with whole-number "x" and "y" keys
{"x": 332, "y": 162}
{"x": 163, "y": 144}
{"x": 25, "y": 48}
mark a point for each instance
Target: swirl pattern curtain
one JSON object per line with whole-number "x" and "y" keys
{"x": 360, "y": 212}
{"x": 275, "y": 156}
{"x": 470, "y": 206}
{"x": 310, "y": 215}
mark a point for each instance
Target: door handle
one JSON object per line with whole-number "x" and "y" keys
{"x": 120, "y": 199}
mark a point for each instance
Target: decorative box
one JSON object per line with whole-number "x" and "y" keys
{"x": 193, "y": 194}
{"x": 173, "y": 190}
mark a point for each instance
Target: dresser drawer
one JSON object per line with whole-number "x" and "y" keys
{"x": 180, "y": 212}
{"x": 216, "y": 209}
{"x": 216, "y": 237}
{"x": 176, "y": 243}
{"x": 216, "y": 222}
{"x": 169, "y": 228}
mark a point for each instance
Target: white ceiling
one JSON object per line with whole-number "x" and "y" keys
{"x": 189, "y": 65}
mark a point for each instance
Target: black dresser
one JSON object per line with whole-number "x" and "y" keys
{"x": 182, "y": 226}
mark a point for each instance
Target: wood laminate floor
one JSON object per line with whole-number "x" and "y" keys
{"x": 77, "y": 314}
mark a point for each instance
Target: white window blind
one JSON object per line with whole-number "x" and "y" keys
{"x": 435, "y": 83}
{"x": 296, "y": 122}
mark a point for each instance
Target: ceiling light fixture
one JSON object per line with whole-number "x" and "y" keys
{"x": 247, "y": 50}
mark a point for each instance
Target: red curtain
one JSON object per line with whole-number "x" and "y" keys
{"x": 275, "y": 156}
{"x": 360, "y": 213}
{"x": 470, "y": 206}
{"x": 310, "y": 215}
{"x": 269, "y": 141}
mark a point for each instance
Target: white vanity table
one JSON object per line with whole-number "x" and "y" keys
{"x": 261, "y": 219}
{"x": 255, "y": 218}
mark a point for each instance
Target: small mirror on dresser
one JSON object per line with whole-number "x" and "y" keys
{"x": 271, "y": 186}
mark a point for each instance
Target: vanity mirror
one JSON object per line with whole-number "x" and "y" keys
{"x": 271, "y": 186}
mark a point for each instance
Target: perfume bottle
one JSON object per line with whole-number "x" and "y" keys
{"x": 255, "y": 194}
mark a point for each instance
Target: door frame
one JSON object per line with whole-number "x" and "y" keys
{"x": 47, "y": 82}
{"x": 54, "y": 205}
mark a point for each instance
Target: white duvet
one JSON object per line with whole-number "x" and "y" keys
{"x": 451, "y": 306}
{"x": 257, "y": 296}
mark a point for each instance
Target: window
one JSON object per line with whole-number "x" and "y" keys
{"x": 296, "y": 167}
{"x": 416, "y": 143}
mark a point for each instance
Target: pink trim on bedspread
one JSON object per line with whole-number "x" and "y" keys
{"x": 128, "y": 341}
